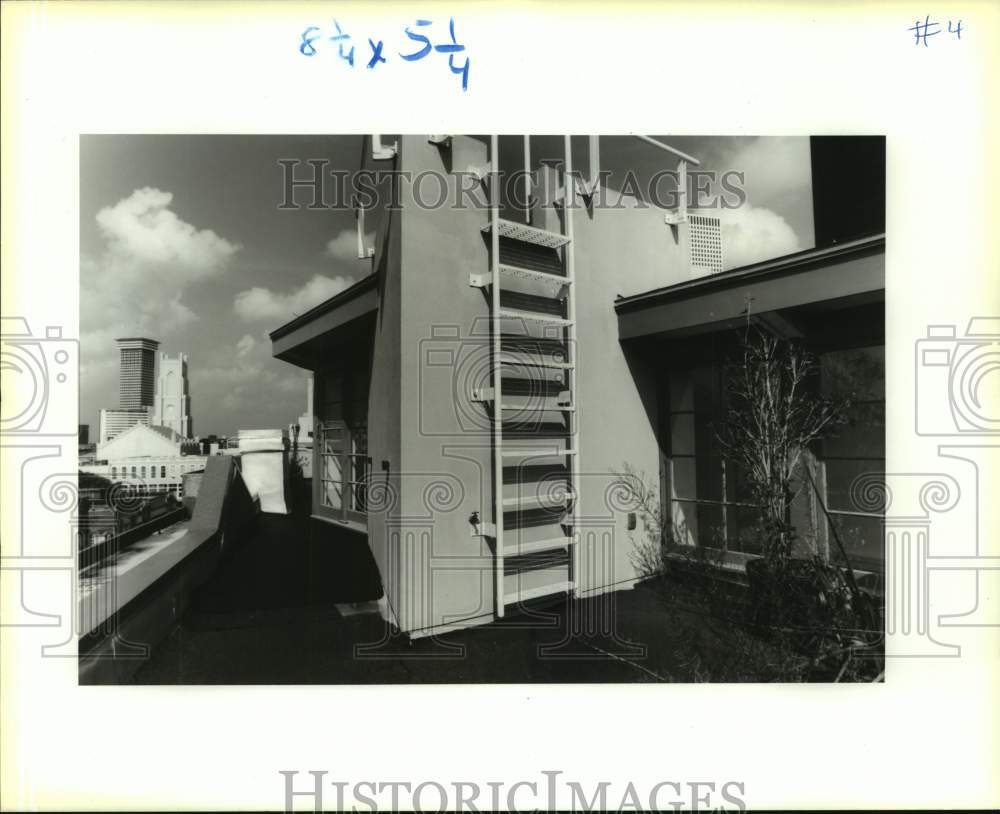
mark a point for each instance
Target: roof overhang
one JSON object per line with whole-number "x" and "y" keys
{"x": 300, "y": 340}
{"x": 845, "y": 274}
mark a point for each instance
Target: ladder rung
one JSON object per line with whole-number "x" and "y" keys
{"x": 536, "y": 452}
{"x": 518, "y": 549}
{"x": 532, "y": 274}
{"x": 547, "y": 277}
{"x": 536, "y": 501}
{"x": 534, "y": 316}
{"x": 487, "y": 395}
{"x": 536, "y": 361}
{"x": 539, "y": 408}
{"x": 528, "y": 234}
{"x": 525, "y": 594}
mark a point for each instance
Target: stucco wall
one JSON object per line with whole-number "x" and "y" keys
{"x": 616, "y": 252}
{"x": 384, "y": 400}
{"x": 445, "y": 446}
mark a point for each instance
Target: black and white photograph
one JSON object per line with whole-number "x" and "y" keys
{"x": 447, "y": 408}
{"x": 499, "y": 407}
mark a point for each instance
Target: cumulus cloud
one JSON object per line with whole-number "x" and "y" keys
{"x": 150, "y": 256}
{"x": 260, "y": 303}
{"x": 751, "y": 234}
{"x": 137, "y": 283}
{"x": 145, "y": 230}
{"x": 345, "y": 245}
{"x": 237, "y": 374}
{"x": 778, "y": 171}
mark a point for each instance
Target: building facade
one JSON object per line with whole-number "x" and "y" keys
{"x": 137, "y": 372}
{"x": 154, "y": 459}
{"x": 115, "y": 422}
{"x": 480, "y": 393}
{"x": 172, "y": 403}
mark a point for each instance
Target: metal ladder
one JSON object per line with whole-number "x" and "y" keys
{"x": 529, "y": 292}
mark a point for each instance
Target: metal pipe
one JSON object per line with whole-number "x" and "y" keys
{"x": 669, "y": 149}
{"x": 682, "y": 189}
{"x": 595, "y": 163}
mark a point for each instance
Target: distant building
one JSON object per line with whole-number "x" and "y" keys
{"x": 115, "y": 422}
{"x": 155, "y": 457}
{"x": 306, "y": 419}
{"x": 171, "y": 403}
{"x": 83, "y": 433}
{"x": 137, "y": 372}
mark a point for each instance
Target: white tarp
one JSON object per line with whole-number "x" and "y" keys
{"x": 264, "y": 465}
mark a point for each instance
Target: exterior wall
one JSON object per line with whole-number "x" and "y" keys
{"x": 445, "y": 444}
{"x": 617, "y": 252}
{"x": 385, "y": 411}
{"x": 445, "y": 438}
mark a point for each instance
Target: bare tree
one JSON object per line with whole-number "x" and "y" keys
{"x": 773, "y": 415}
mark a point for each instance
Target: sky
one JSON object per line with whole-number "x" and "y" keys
{"x": 182, "y": 240}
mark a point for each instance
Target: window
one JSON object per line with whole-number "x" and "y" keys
{"x": 114, "y": 472}
{"x": 855, "y": 456}
{"x": 163, "y": 471}
{"x": 133, "y": 471}
{"x": 710, "y": 502}
{"x": 711, "y": 505}
{"x": 343, "y": 465}
{"x": 143, "y": 472}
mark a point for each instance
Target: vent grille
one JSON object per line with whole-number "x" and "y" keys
{"x": 705, "y": 244}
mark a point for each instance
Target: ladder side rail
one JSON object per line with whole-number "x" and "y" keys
{"x": 498, "y": 518}
{"x": 527, "y": 179}
{"x": 571, "y": 374}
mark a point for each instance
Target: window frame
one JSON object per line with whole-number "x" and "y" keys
{"x": 354, "y": 467}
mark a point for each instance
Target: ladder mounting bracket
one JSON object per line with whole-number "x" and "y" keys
{"x": 483, "y": 530}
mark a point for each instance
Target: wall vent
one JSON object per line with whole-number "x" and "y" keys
{"x": 705, "y": 244}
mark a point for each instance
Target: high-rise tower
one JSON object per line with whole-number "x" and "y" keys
{"x": 137, "y": 372}
{"x": 172, "y": 404}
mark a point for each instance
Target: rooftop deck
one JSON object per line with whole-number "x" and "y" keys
{"x": 290, "y": 607}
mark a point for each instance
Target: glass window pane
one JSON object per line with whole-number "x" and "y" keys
{"x": 332, "y": 468}
{"x": 710, "y": 530}
{"x": 681, "y": 390}
{"x": 331, "y": 494}
{"x": 840, "y": 475}
{"x": 857, "y": 373}
{"x": 863, "y": 436}
{"x": 742, "y": 525}
{"x": 684, "y": 472}
{"x": 862, "y": 538}
{"x": 682, "y": 434}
